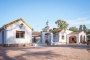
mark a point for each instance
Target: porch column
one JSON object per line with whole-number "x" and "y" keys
{"x": 68, "y": 39}
{"x": 78, "y": 39}
{"x": 43, "y": 37}
{"x": 51, "y": 39}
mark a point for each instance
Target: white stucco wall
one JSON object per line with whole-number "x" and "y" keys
{"x": 83, "y": 34}
{"x": 11, "y": 33}
{"x": 55, "y": 37}
{"x": 42, "y": 37}
{"x": 48, "y": 37}
{"x": 62, "y": 33}
{"x": 4, "y": 37}
{"x": 47, "y": 29}
{"x": 77, "y": 38}
{"x": 38, "y": 39}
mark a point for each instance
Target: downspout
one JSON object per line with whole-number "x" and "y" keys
{"x": 5, "y": 34}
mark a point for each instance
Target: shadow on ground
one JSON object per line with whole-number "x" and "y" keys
{"x": 4, "y": 56}
{"x": 72, "y": 46}
{"x": 48, "y": 54}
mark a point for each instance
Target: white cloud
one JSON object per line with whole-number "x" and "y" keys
{"x": 85, "y": 18}
{"x": 80, "y": 21}
{"x": 77, "y": 22}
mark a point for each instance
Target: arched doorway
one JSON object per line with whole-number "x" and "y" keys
{"x": 48, "y": 38}
{"x": 81, "y": 39}
{"x": 84, "y": 38}
{"x": 72, "y": 39}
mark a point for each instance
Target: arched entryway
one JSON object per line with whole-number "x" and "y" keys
{"x": 72, "y": 39}
{"x": 48, "y": 38}
{"x": 84, "y": 38}
{"x": 81, "y": 39}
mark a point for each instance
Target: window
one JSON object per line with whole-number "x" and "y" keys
{"x": 20, "y": 34}
{"x": 62, "y": 36}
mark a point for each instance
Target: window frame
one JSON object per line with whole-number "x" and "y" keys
{"x": 19, "y": 34}
{"x": 62, "y": 37}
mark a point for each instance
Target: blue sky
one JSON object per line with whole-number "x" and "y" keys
{"x": 37, "y": 12}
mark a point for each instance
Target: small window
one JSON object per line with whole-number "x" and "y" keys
{"x": 20, "y": 34}
{"x": 62, "y": 36}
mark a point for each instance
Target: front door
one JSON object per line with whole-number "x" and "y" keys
{"x": 2, "y": 38}
{"x": 72, "y": 39}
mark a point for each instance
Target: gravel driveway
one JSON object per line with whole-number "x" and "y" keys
{"x": 59, "y": 52}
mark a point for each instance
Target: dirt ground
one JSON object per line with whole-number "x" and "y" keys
{"x": 59, "y": 52}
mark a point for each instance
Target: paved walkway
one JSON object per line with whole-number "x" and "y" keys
{"x": 59, "y": 52}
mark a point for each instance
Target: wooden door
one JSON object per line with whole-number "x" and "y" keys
{"x": 2, "y": 38}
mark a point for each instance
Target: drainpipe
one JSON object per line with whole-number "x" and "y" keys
{"x": 6, "y": 36}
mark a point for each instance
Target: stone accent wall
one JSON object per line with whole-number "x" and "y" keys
{"x": 0, "y": 45}
{"x": 18, "y": 45}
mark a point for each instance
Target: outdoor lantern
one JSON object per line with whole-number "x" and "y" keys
{"x": 21, "y": 25}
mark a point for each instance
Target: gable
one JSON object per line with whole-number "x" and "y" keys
{"x": 82, "y": 32}
{"x": 58, "y": 31}
{"x": 77, "y": 32}
{"x": 17, "y": 21}
{"x": 62, "y": 31}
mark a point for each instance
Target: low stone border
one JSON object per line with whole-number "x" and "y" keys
{"x": 17, "y": 45}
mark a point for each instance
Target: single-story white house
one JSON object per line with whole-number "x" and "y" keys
{"x": 19, "y": 33}
{"x": 76, "y": 37}
{"x": 66, "y": 37}
{"x": 58, "y": 37}
{"x": 16, "y": 33}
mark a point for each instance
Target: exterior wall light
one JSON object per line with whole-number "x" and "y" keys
{"x": 21, "y": 25}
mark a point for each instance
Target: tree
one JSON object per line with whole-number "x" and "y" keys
{"x": 50, "y": 30}
{"x": 54, "y": 28}
{"x": 88, "y": 31}
{"x": 80, "y": 28}
{"x": 83, "y": 28}
{"x": 62, "y": 24}
{"x": 43, "y": 29}
{"x": 57, "y": 29}
{"x": 73, "y": 29}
